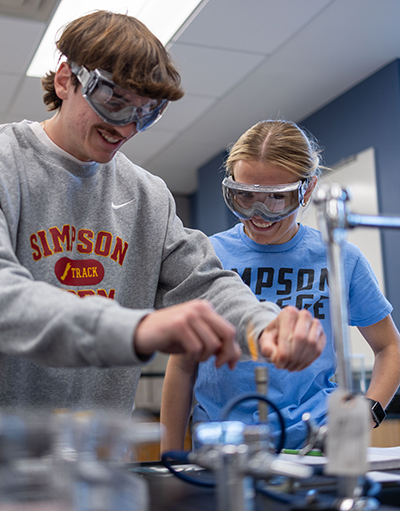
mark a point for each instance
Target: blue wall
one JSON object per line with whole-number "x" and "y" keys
{"x": 366, "y": 116}
{"x": 209, "y": 213}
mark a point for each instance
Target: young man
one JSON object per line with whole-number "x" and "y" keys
{"x": 78, "y": 220}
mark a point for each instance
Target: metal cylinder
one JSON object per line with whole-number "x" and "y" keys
{"x": 261, "y": 377}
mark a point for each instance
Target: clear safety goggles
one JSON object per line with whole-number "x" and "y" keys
{"x": 114, "y": 104}
{"x": 271, "y": 203}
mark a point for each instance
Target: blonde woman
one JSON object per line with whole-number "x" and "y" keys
{"x": 272, "y": 171}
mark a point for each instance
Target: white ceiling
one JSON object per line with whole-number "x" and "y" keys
{"x": 241, "y": 61}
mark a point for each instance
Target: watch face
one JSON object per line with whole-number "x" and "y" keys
{"x": 378, "y": 413}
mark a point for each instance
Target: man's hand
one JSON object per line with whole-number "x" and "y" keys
{"x": 293, "y": 340}
{"x": 193, "y": 328}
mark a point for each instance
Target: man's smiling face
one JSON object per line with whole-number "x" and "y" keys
{"x": 80, "y": 131}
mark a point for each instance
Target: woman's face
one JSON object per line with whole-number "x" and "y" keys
{"x": 266, "y": 174}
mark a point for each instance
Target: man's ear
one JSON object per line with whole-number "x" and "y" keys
{"x": 62, "y": 81}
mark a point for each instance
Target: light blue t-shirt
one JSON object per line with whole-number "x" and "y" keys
{"x": 293, "y": 273}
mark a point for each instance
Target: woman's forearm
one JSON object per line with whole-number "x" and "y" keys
{"x": 176, "y": 404}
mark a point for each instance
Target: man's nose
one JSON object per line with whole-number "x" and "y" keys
{"x": 128, "y": 130}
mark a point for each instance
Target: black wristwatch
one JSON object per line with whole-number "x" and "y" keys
{"x": 377, "y": 412}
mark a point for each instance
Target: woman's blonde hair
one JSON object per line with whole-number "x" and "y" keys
{"x": 280, "y": 143}
{"x": 121, "y": 45}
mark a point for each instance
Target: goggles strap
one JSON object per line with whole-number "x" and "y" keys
{"x": 302, "y": 193}
{"x": 88, "y": 79}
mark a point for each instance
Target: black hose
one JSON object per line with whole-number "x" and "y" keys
{"x": 255, "y": 395}
{"x": 182, "y": 456}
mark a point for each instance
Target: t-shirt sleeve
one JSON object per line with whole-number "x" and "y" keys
{"x": 367, "y": 303}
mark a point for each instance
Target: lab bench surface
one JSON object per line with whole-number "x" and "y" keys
{"x": 168, "y": 493}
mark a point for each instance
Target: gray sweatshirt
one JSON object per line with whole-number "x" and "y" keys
{"x": 86, "y": 251}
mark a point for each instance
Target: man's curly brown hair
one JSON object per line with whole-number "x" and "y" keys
{"x": 121, "y": 45}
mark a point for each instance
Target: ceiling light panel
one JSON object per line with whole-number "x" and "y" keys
{"x": 165, "y": 18}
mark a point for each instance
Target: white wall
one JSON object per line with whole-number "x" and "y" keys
{"x": 357, "y": 174}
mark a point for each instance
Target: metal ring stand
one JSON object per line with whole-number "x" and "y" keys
{"x": 334, "y": 219}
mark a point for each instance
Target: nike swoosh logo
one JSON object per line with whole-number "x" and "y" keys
{"x": 114, "y": 206}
